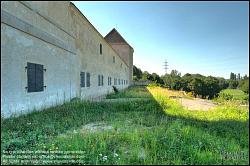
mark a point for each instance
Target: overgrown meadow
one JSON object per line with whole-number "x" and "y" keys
{"x": 154, "y": 130}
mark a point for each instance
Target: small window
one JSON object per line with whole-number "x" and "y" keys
{"x": 119, "y": 81}
{"x": 99, "y": 80}
{"x": 88, "y": 79}
{"x": 101, "y": 49}
{"x": 109, "y": 81}
{"x": 82, "y": 75}
{"x": 35, "y": 77}
{"x": 113, "y": 59}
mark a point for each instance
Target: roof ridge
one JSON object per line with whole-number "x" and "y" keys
{"x": 118, "y": 34}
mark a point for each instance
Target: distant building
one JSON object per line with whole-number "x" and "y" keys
{"x": 51, "y": 53}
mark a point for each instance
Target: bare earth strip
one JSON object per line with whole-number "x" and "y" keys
{"x": 196, "y": 104}
{"x": 124, "y": 99}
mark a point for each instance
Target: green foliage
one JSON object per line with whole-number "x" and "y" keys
{"x": 244, "y": 85}
{"x": 232, "y": 76}
{"x": 137, "y": 73}
{"x": 115, "y": 89}
{"x": 233, "y": 94}
{"x": 205, "y": 87}
{"x": 233, "y": 84}
{"x": 131, "y": 92}
{"x": 173, "y": 80}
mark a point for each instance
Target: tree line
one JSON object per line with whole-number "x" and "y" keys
{"x": 197, "y": 84}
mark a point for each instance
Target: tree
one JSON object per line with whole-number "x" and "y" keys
{"x": 145, "y": 75}
{"x": 244, "y": 84}
{"x": 211, "y": 88}
{"x": 232, "y": 84}
{"x": 232, "y": 76}
{"x": 196, "y": 86}
{"x": 223, "y": 83}
{"x": 137, "y": 73}
{"x": 173, "y": 80}
{"x": 186, "y": 80}
{"x": 238, "y": 77}
{"x": 157, "y": 78}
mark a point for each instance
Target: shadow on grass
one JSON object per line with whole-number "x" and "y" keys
{"x": 26, "y": 131}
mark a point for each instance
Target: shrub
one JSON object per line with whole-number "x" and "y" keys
{"x": 225, "y": 96}
{"x": 153, "y": 85}
{"x": 190, "y": 94}
{"x": 115, "y": 89}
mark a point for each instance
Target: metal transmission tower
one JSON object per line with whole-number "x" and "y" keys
{"x": 166, "y": 66}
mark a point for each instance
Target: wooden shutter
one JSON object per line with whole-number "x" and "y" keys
{"x": 39, "y": 77}
{"x": 102, "y": 80}
{"x": 35, "y": 77}
{"x": 31, "y": 75}
{"x": 98, "y": 80}
{"x": 82, "y": 79}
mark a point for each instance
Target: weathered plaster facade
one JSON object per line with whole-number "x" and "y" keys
{"x": 58, "y": 36}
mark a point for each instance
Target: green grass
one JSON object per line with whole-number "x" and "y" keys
{"x": 155, "y": 131}
{"x": 131, "y": 92}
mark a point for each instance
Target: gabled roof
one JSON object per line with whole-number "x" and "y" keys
{"x": 115, "y": 37}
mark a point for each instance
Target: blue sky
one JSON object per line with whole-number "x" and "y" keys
{"x": 210, "y": 38}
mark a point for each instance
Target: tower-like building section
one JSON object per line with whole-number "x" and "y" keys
{"x": 122, "y": 47}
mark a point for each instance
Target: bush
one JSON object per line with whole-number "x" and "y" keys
{"x": 154, "y": 85}
{"x": 190, "y": 94}
{"x": 225, "y": 96}
{"x": 115, "y": 89}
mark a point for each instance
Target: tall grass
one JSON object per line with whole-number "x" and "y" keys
{"x": 156, "y": 131}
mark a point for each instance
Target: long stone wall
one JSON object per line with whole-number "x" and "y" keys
{"x": 58, "y": 36}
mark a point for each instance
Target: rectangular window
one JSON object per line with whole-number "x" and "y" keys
{"x": 101, "y": 49}
{"x": 99, "y": 80}
{"x": 88, "y": 79}
{"x": 113, "y": 59}
{"x": 82, "y": 75}
{"x": 119, "y": 81}
{"x": 110, "y": 81}
{"x": 35, "y": 77}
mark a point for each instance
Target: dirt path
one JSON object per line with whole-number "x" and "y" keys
{"x": 196, "y": 104}
{"x": 124, "y": 99}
